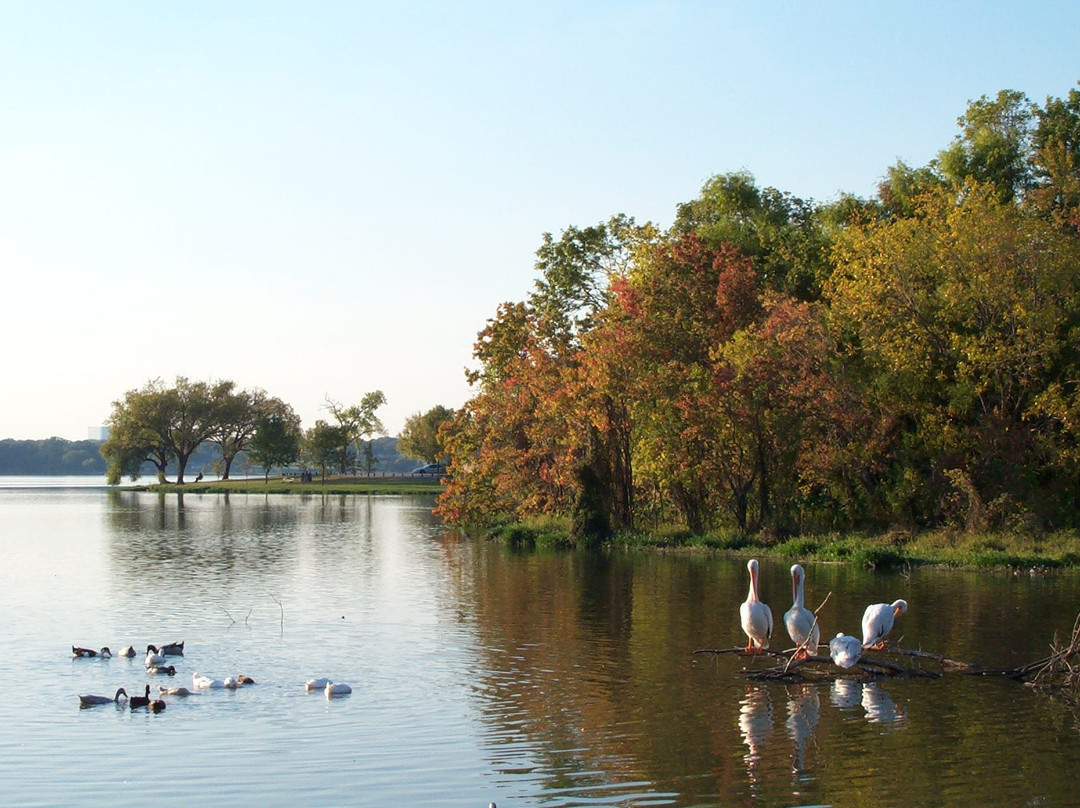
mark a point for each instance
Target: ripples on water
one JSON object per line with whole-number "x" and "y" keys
{"x": 479, "y": 673}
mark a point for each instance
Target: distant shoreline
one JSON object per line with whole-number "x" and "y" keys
{"x": 337, "y": 484}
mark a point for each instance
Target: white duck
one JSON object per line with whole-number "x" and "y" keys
{"x": 877, "y": 621}
{"x": 845, "y": 650}
{"x": 317, "y": 684}
{"x": 202, "y": 682}
{"x": 127, "y": 651}
{"x": 756, "y": 616}
{"x": 91, "y": 700}
{"x": 337, "y": 689}
{"x": 153, "y": 657}
{"x": 174, "y": 691}
{"x": 800, "y": 622}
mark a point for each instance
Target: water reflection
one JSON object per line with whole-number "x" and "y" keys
{"x": 803, "y": 713}
{"x": 755, "y": 724}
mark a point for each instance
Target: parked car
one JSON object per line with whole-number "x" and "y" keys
{"x": 430, "y": 468}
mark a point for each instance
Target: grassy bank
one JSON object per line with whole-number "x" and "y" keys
{"x": 1001, "y": 550}
{"x": 291, "y": 485}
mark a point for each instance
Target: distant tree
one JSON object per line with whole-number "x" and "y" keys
{"x": 358, "y": 423}
{"x": 277, "y": 438}
{"x": 419, "y": 438}
{"x": 237, "y": 414}
{"x": 325, "y": 446}
{"x": 137, "y": 433}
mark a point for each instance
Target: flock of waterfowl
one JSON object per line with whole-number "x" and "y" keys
{"x": 156, "y": 664}
{"x": 802, "y": 626}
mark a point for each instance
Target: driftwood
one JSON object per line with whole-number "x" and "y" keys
{"x": 1057, "y": 674}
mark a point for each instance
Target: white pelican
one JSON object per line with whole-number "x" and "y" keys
{"x": 337, "y": 689}
{"x": 316, "y": 684}
{"x": 845, "y": 650}
{"x": 800, "y": 621}
{"x": 877, "y": 621}
{"x": 84, "y": 653}
{"x": 174, "y": 691}
{"x": 200, "y": 681}
{"x": 90, "y": 701}
{"x": 756, "y": 616}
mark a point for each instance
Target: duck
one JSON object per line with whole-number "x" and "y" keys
{"x": 161, "y": 670}
{"x": 156, "y": 706}
{"x": 845, "y": 650}
{"x": 174, "y": 691}
{"x": 756, "y": 616}
{"x": 127, "y": 651}
{"x": 337, "y": 689}
{"x": 800, "y": 622}
{"x": 245, "y": 680}
{"x": 201, "y": 682}
{"x": 135, "y": 702}
{"x": 172, "y": 649}
{"x": 877, "y": 621}
{"x": 316, "y": 684}
{"x": 153, "y": 656}
{"x": 91, "y": 700}
{"x": 86, "y": 653}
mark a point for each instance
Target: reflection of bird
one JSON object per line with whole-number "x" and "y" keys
{"x": 90, "y": 701}
{"x": 337, "y": 689}
{"x": 756, "y": 616}
{"x": 316, "y": 684}
{"x": 140, "y": 701}
{"x": 879, "y": 705}
{"x": 803, "y": 714}
{"x": 85, "y": 653}
{"x": 845, "y": 693}
{"x": 845, "y": 650}
{"x": 877, "y": 621}
{"x": 755, "y": 724}
{"x": 800, "y": 621}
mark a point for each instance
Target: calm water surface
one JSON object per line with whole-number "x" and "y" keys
{"x": 480, "y": 674}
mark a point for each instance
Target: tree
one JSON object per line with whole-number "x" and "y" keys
{"x": 1056, "y": 145}
{"x": 358, "y": 422}
{"x": 237, "y": 415}
{"x": 419, "y": 438}
{"x": 277, "y": 437}
{"x": 325, "y": 446}
{"x": 138, "y": 428}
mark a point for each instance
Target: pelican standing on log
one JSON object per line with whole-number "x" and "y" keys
{"x": 845, "y": 650}
{"x": 800, "y": 622}
{"x": 756, "y": 616}
{"x": 877, "y": 621}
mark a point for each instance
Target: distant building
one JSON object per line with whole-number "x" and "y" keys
{"x": 97, "y": 433}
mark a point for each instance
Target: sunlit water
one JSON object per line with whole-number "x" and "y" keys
{"x": 480, "y": 674}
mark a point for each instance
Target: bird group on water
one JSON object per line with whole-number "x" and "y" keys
{"x": 802, "y": 626}
{"x": 155, "y": 664}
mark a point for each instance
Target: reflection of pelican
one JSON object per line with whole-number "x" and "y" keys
{"x": 756, "y": 616}
{"x": 803, "y": 713}
{"x": 879, "y": 705}
{"x": 845, "y": 694}
{"x": 877, "y": 621}
{"x": 90, "y": 701}
{"x": 799, "y": 621}
{"x": 845, "y": 650}
{"x": 755, "y": 724}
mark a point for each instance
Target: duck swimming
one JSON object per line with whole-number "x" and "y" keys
{"x": 337, "y": 689}
{"x": 86, "y": 653}
{"x": 174, "y": 691}
{"x": 91, "y": 701}
{"x": 135, "y": 702}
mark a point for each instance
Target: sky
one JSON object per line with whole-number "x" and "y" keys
{"x": 325, "y": 199}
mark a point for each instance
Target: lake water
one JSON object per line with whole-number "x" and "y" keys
{"x": 481, "y": 674}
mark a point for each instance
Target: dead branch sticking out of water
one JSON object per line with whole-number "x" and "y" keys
{"x": 1057, "y": 675}
{"x": 818, "y": 668}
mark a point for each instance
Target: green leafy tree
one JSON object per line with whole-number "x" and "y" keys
{"x": 419, "y": 438}
{"x": 138, "y": 429}
{"x": 358, "y": 423}
{"x": 277, "y": 438}
{"x": 236, "y": 417}
{"x": 325, "y": 447}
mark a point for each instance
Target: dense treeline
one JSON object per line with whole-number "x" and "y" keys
{"x": 50, "y": 456}
{"x": 772, "y": 364}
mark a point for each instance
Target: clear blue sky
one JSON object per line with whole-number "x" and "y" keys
{"x": 329, "y": 198}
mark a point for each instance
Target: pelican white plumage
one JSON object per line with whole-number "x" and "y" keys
{"x": 202, "y": 682}
{"x": 337, "y": 689}
{"x": 800, "y": 622}
{"x": 317, "y": 684}
{"x": 845, "y": 650}
{"x": 91, "y": 700}
{"x": 756, "y": 616}
{"x": 877, "y": 621}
